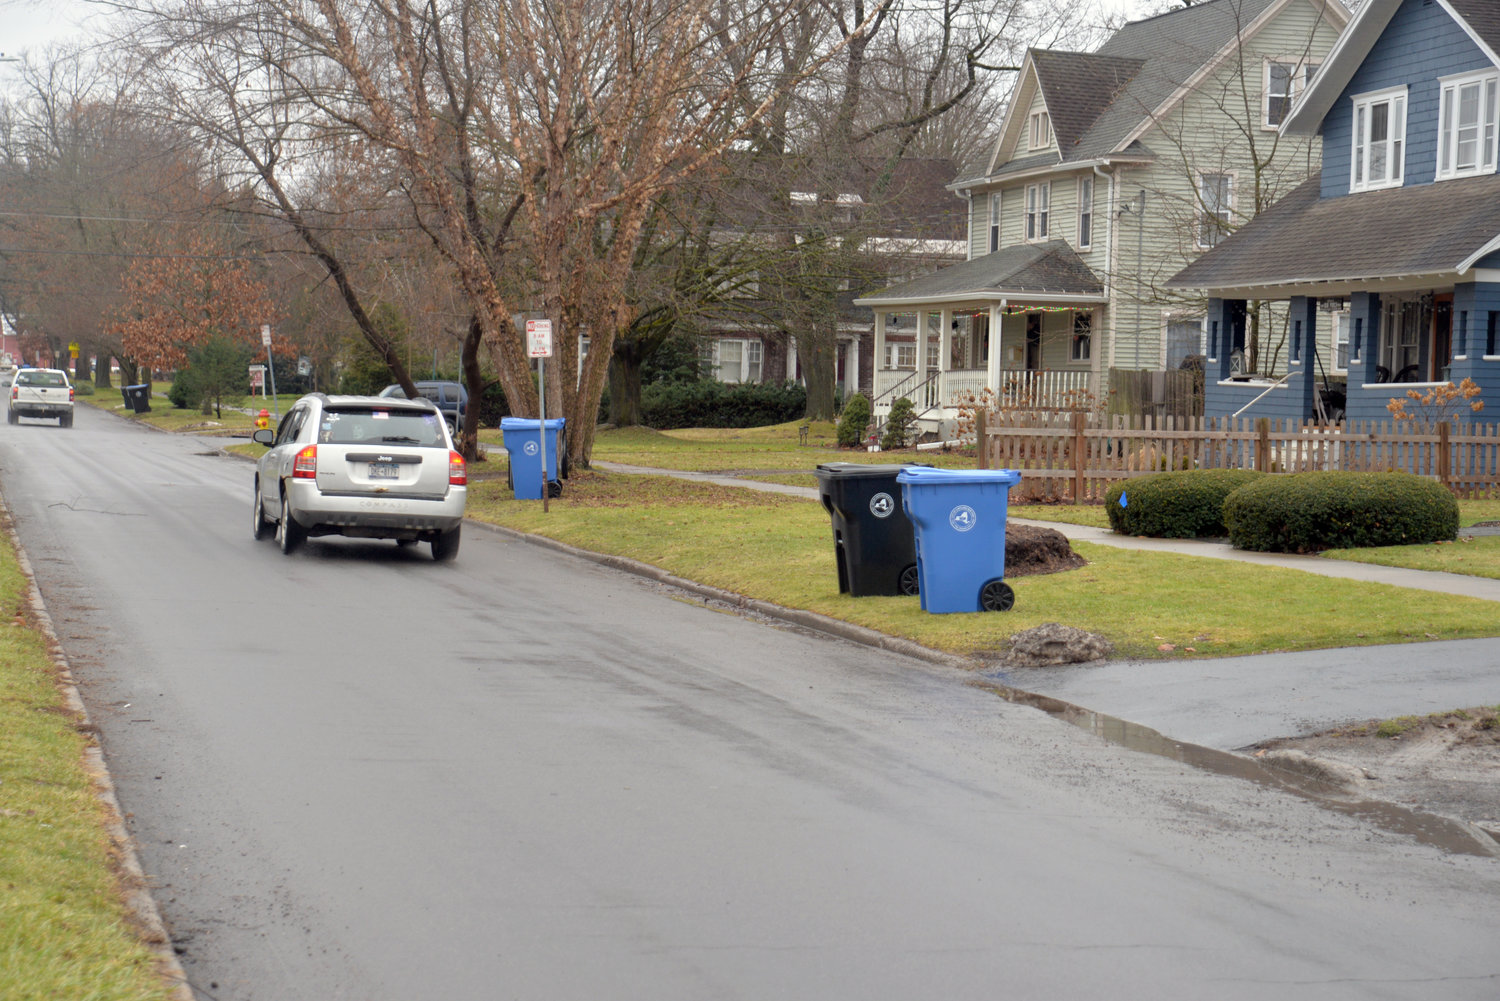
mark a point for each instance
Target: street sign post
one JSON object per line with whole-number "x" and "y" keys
{"x": 539, "y": 346}
{"x": 265, "y": 338}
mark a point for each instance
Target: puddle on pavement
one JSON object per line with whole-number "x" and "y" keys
{"x": 1430, "y": 829}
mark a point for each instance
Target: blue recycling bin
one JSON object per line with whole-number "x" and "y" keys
{"x": 523, "y": 440}
{"x": 958, "y": 516}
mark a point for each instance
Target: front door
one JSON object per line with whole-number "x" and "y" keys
{"x": 1033, "y": 342}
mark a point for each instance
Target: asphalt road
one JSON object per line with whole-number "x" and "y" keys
{"x": 354, "y": 773}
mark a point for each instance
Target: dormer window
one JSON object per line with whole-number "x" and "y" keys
{"x": 1379, "y": 140}
{"x": 1041, "y": 130}
{"x": 1466, "y": 125}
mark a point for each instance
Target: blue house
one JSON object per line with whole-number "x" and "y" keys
{"x": 1396, "y": 246}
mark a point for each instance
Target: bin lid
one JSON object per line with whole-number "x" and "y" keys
{"x": 530, "y": 423}
{"x": 846, "y": 470}
{"x": 925, "y": 475}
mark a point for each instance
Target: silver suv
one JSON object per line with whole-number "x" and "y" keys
{"x": 367, "y": 467}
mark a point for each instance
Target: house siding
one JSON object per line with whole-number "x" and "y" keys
{"x": 1421, "y": 43}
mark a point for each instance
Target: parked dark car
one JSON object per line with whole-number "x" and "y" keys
{"x": 451, "y": 398}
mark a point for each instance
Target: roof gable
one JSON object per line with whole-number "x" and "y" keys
{"x": 1480, "y": 20}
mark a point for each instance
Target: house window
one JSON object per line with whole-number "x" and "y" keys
{"x": 1215, "y": 200}
{"x": 1083, "y": 337}
{"x": 934, "y": 353}
{"x": 1401, "y": 326}
{"x": 1466, "y": 126}
{"x": 1341, "y": 343}
{"x": 1085, "y": 212}
{"x": 1284, "y": 82}
{"x": 1041, "y": 130}
{"x": 732, "y": 360}
{"x": 1379, "y": 140}
{"x": 1184, "y": 339}
{"x": 1038, "y": 201}
{"x": 900, "y": 354}
{"x": 994, "y": 222}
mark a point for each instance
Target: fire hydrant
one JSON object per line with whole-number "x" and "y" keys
{"x": 263, "y": 419}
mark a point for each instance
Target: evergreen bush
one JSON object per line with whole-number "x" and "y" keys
{"x": 898, "y": 425}
{"x": 709, "y": 403}
{"x": 1185, "y": 504}
{"x": 1310, "y": 512}
{"x": 853, "y": 421}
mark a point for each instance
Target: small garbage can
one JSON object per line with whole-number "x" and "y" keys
{"x": 523, "y": 440}
{"x": 959, "y": 518}
{"x": 137, "y": 398}
{"x": 872, "y": 537}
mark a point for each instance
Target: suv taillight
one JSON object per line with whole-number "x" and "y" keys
{"x": 70, "y": 394}
{"x": 305, "y": 466}
{"x": 458, "y": 473}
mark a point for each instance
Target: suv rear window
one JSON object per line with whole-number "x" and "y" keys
{"x": 381, "y": 426}
{"x": 41, "y": 379}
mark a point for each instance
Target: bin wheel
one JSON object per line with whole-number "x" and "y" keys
{"x": 909, "y": 580}
{"x": 554, "y": 488}
{"x": 997, "y": 596}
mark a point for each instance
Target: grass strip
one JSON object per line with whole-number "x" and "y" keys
{"x": 64, "y": 931}
{"x": 1151, "y": 605}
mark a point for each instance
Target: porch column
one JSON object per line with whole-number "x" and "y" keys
{"x": 791, "y": 358}
{"x": 1364, "y": 337}
{"x": 1303, "y": 363}
{"x": 1477, "y": 307}
{"x": 922, "y": 321}
{"x": 1226, "y": 332}
{"x": 879, "y": 350}
{"x": 851, "y": 368}
{"x": 992, "y": 367}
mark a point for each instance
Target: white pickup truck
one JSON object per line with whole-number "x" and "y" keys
{"x": 41, "y": 392}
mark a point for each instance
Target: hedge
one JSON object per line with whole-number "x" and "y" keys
{"x": 1183, "y": 504}
{"x": 713, "y": 404}
{"x": 1310, "y": 512}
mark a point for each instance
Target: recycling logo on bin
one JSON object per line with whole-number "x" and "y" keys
{"x": 882, "y": 505}
{"x": 531, "y": 448}
{"x": 962, "y": 518}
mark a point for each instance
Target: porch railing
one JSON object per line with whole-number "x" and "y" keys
{"x": 1018, "y": 387}
{"x": 1076, "y": 457}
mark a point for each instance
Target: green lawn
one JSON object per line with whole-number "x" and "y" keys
{"x": 64, "y": 932}
{"x": 1150, "y": 605}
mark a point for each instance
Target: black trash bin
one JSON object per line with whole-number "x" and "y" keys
{"x": 138, "y": 398}
{"x": 872, "y": 537}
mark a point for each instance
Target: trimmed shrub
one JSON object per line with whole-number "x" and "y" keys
{"x": 853, "y": 421}
{"x": 1310, "y": 512}
{"x": 898, "y": 425}
{"x": 1187, "y": 504}
{"x": 709, "y": 403}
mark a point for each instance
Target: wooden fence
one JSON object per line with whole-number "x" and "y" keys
{"x": 1075, "y": 457}
{"x": 1177, "y": 393}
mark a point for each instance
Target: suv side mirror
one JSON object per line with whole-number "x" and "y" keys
{"x": 263, "y": 436}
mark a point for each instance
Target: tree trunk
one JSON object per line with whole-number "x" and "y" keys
{"x": 816, "y": 351}
{"x": 474, "y": 384}
{"x": 625, "y": 385}
{"x": 101, "y": 370}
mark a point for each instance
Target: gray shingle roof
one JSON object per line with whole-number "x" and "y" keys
{"x": 1484, "y": 17}
{"x": 1077, "y": 87}
{"x": 1026, "y": 269}
{"x": 1419, "y": 230}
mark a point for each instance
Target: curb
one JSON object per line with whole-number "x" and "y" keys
{"x": 140, "y": 906}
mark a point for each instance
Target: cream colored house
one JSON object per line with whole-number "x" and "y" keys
{"x": 1113, "y": 170}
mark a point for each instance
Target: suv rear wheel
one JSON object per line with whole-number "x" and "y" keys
{"x": 445, "y": 545}
{"x": 289, "y": 534}
{"x": 258, "y": 523}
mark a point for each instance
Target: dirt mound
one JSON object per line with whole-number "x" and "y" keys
{"x": 1030, "y": 549}
{"x": 1446, "y": 763}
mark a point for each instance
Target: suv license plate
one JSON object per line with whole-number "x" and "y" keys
{"x": 384, "y": 471}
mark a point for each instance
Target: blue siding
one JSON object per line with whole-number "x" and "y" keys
{"x": 1420, "y": 44}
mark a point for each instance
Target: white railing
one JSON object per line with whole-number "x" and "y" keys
{"x": 1018, "y": 387}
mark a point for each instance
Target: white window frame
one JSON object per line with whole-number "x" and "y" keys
{"x": 1299, "y": 75}
{"x": 894, "y": 353}
{"x": 752, "y": 357}
{"x": 1040, "y": 130}
{"x": 1038, "y": 211}
{"x": 1393, "y": 146}
{"x": 994, "y": 227}
{"x": 1085, "y": 212}
{"x": 1081, "y": 343}
{"x": 1224, "y": 213}
{"x": 1485, "y": 128}
{"x": 1343, "y": 324}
